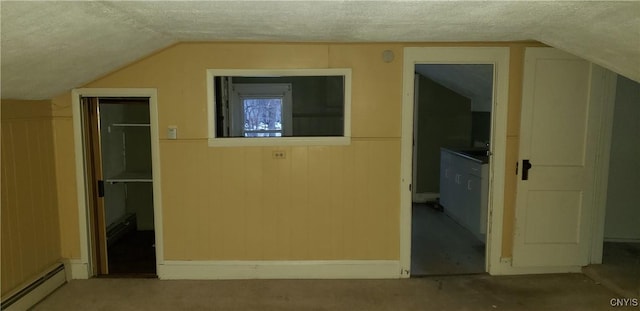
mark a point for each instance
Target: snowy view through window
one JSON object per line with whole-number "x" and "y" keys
{"x": 262, "y": 117}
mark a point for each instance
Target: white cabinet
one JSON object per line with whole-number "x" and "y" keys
{"x": 464, "y": 189}
{"x": 446, "y": 178}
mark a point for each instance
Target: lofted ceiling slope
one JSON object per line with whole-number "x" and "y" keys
{"x": 50, "y": 47}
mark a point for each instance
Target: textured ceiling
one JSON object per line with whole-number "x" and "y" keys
{"x": 473, "y": 81}
{"x": 50, "y": 47}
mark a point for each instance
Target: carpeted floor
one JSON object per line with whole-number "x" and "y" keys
{"x": 620, "y": 268}
{"x": 475, "y": 292}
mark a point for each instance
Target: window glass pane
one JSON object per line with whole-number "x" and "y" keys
{"x": 262, "y": 117}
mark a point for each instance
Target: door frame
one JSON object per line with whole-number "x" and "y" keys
{"x": 499, "y": 57}
{"x": 604, "y": 91}
{"x": 93, "y": 161}
{"x": 84, "y": 268}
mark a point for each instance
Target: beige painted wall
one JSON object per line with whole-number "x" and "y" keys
{"x": 331, "y": 202}
{"x": 30, "y": 230}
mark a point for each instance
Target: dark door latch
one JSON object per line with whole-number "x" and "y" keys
{"x": 526, "y": 165}
{"x": 100, "y": 188}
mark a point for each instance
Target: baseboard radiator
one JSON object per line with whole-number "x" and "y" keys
{"x": 31, "y": 293}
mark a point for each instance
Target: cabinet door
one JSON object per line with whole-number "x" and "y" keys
{"x": 473, "y": 197}
{"x": 445, "y": 178}
{"x": 456, "y": 208}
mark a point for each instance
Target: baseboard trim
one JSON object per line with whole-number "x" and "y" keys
{"x": 305, "y": 269}
{"x": 505, "y": 268}
{"x": 76, "y": 269}
{"x": 33, "y": 292}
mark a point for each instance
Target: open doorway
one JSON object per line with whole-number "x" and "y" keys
{"x": 118, "y": 162}
{"x": 620, "y": 265}
{"x": 451, "y": 152}
{"x": 499, "y": 58}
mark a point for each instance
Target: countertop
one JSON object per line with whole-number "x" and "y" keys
{"x": 476, "y": 154}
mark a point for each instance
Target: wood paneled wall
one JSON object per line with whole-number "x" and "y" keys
{"x": 30, "y": 228}
{"x": 336, "y": 202}
{"x": 332, "y": 202}
{"x": 66, "y": 177}
{"x": 239, "y": 203}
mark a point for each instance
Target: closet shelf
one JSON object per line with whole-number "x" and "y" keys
{"x": 130, "y": 177}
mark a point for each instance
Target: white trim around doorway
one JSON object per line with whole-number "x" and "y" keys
{"x": 604, "y": 92}
{"x": 83, "y": 268}
{"x": 499, "y": 57}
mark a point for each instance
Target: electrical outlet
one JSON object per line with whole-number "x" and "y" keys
{"x": 279, "y": 155}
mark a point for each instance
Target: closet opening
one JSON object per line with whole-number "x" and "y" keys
{"x": 118, "y": 168}
{"x": 618, "y": 267}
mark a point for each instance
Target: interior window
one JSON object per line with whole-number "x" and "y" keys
{"x": 279, "y": 107}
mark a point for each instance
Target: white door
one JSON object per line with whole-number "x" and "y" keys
{"x": 558, "y": 126}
